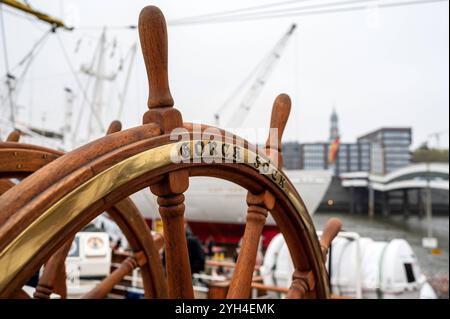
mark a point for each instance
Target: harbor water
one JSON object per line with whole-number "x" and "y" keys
{"x": 435, "y": 266}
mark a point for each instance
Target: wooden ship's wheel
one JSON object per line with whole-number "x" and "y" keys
{"x": 20, "y": 160}
{"x": 42, "y": 213}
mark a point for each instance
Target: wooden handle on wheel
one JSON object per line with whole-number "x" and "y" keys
{"x": 332, "y": 228}
{"x": 153, "y": 37}
{"x": 280, "y": 115}
{"x": 114, "y": 127}
{"x": 14, "y": 136}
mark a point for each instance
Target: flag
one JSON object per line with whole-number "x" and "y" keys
{"x": 334, "y": 147}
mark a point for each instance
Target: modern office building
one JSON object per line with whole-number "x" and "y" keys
{"x": 390, "y": 148}
{"x": 291, "y": 155}
{"x": 378, "y": 152}
{"x": 351, "y": 157}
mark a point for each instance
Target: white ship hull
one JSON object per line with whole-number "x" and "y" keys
{"x": 214, "y": 200}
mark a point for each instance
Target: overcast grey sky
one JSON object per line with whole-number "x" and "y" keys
{"x": 386, "y": 67}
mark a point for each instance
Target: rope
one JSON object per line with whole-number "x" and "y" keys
{"x": 228, "y": 12}
{"x": 33, "y": 48}
{"x": 285, "y": 10}
{"x": 301, "y": 11}
{"x": 30, "y": 57}
{"x": 5, "y": 53}
{"x": 86, "y": 88}
{"x": 80, "y": 86}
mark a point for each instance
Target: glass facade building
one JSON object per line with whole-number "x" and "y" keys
{"x": 390, "y": 148}
{"x": 291, "y": 155}
{"x": 379, "y": 152}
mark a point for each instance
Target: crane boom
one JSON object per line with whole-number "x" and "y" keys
{"x": 266, "y": 68}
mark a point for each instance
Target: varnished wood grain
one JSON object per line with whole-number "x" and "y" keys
{"x": 332, "y": 228}
{"x": 14, "y": 136}
{"x": 5, "y": 184}
{"x": 153, "y": 38}
{"x": 302, "y": 283}
{"x": 278, "y": 120}
{"x": 258, "y": 207}
{"x": 114, "y": 127}
{"x": 53, "y": 278}
{"x": 125, "y": 268}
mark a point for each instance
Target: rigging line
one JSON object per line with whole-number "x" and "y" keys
{"x": 273, "y": 13}
{"x": 5, "y": 51}
{"x": 8, "y": 82}
{"x": 33, "y": 48}
{"x": 80, "y": 86}
{"x": 296, "y": 80}
{"x": 80, "y": 113}
{"x": 21, "y": 77}
{"x": 48, "y": 76}
{"x": 228, "y": 12}
{"x": 220, "y": 15}
{"x": 296, "y": 9}
{"x": 86, "y": 88}
{"x": 113, "y": 27}
{"x": 318, "y": 12}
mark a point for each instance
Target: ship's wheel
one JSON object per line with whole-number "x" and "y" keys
{"x": 19, "y": 161}
{"x": 39, "y": 215}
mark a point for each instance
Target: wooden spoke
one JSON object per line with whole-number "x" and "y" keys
{"x": 114, "y": 127}
{"x": 53, "y": 278}
{"x": 158, "y": 239}
{"x": 332, "y": 228}
{"x": 125, "y": 268}
{"x": 178, "y": 270}
{"x": 302, "y": 283}
{"x": 280, "y": 115}
{"x": 218, "y": 289}
{"x": 153, "y": 36}
{"x": 14, "y": 136}
{"x": 258, "y": 207}
{"x": 127, "y": 216}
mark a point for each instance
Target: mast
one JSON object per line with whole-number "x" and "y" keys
{"x": 68, "y": 112}
{"x": 10, "y": 78}
{"x": 99, "y": 77}
{"x": 98, "y": 84}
